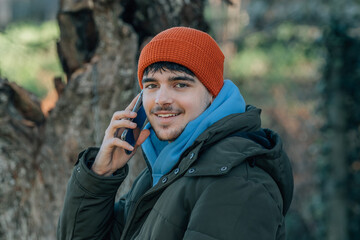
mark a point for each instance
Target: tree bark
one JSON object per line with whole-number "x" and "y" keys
{"x": 98, "y": 48}
{"x": 341, "y": 109}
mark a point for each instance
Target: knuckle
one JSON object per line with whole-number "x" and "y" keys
{"x": 106, "y": 143}
{"x": 116, "y": 115}
{"x": 114, "y": 141}
{"x": 114, "y": 125}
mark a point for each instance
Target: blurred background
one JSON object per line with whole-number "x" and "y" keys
{"x": 297, "y": 60}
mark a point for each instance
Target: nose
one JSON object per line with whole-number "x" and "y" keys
{"x": 163, "y": 96}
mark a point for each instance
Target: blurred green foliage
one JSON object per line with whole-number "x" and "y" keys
{"x": 283, "y": 55}
{"x": 28, "y": 55}
{"x": 285, "y": 59}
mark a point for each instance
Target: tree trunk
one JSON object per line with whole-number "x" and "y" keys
{"x": 341, "y": 107}
{"x": 98, "y": 48}
{"x": 337, "y": 217}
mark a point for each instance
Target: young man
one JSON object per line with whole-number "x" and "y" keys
{"x": 212, "y": 171}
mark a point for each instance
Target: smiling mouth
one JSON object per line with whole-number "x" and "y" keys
{"x": 167, "y": 115}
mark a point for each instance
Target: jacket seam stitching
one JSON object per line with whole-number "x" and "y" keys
{"x": 76, "y": 215}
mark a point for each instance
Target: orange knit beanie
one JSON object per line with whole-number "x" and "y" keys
{"x": 191, "y": 48}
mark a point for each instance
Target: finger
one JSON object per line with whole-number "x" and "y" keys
{"x": 112, "y": 129}
{"x": 127, "y": 114}
{"x": 123, "y": 123}
{"x": 116, "y": 142}
{"x": 144, "y": 134}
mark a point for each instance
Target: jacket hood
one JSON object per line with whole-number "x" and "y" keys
{"x": 263, "y": 147}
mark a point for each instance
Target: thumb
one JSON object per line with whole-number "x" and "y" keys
{"x": 144, "y": 134}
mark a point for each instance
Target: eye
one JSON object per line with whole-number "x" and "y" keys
{"x": 150, "y": 86}
{"x": 181, "y": 85}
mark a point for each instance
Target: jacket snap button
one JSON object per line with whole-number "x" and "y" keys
{"x": 191, "y": 170}
{"x": 176, "y": 171}
{"x": 192, "y": 155}
{"x": 223, "y": 169}
{"x": 164, "y": 180}
{"x": 78, "y": 169}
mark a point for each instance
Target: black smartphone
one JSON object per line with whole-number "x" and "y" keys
{"x": 132, "y": 135}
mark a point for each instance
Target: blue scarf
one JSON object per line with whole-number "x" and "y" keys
{"x": 163, "y": 155}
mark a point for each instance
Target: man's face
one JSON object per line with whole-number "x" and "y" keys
{"x": 171, "y": 100}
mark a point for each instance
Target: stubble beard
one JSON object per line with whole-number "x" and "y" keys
{"x": 175, "y": 133}
{"x": 172, "y": 136}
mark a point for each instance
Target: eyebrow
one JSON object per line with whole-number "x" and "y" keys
{"x": 186, "y": 78}
{"x": 176, "y": 78}
{"x": 146, "y": 80}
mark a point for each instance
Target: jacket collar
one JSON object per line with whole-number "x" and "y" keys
{"x": 197, "y": 161}
{"x": 188, "y": 164}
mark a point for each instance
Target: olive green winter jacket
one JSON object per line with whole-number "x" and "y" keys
{"x": 234, "y": 182}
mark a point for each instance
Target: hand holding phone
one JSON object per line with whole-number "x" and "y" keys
{"x": 114, "y": 153}
{"x": 132, "y": 135}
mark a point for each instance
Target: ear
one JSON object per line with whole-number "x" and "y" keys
{"x": 211, "y": 98}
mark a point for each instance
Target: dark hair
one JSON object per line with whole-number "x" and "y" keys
{"x": 163, "y": 66}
